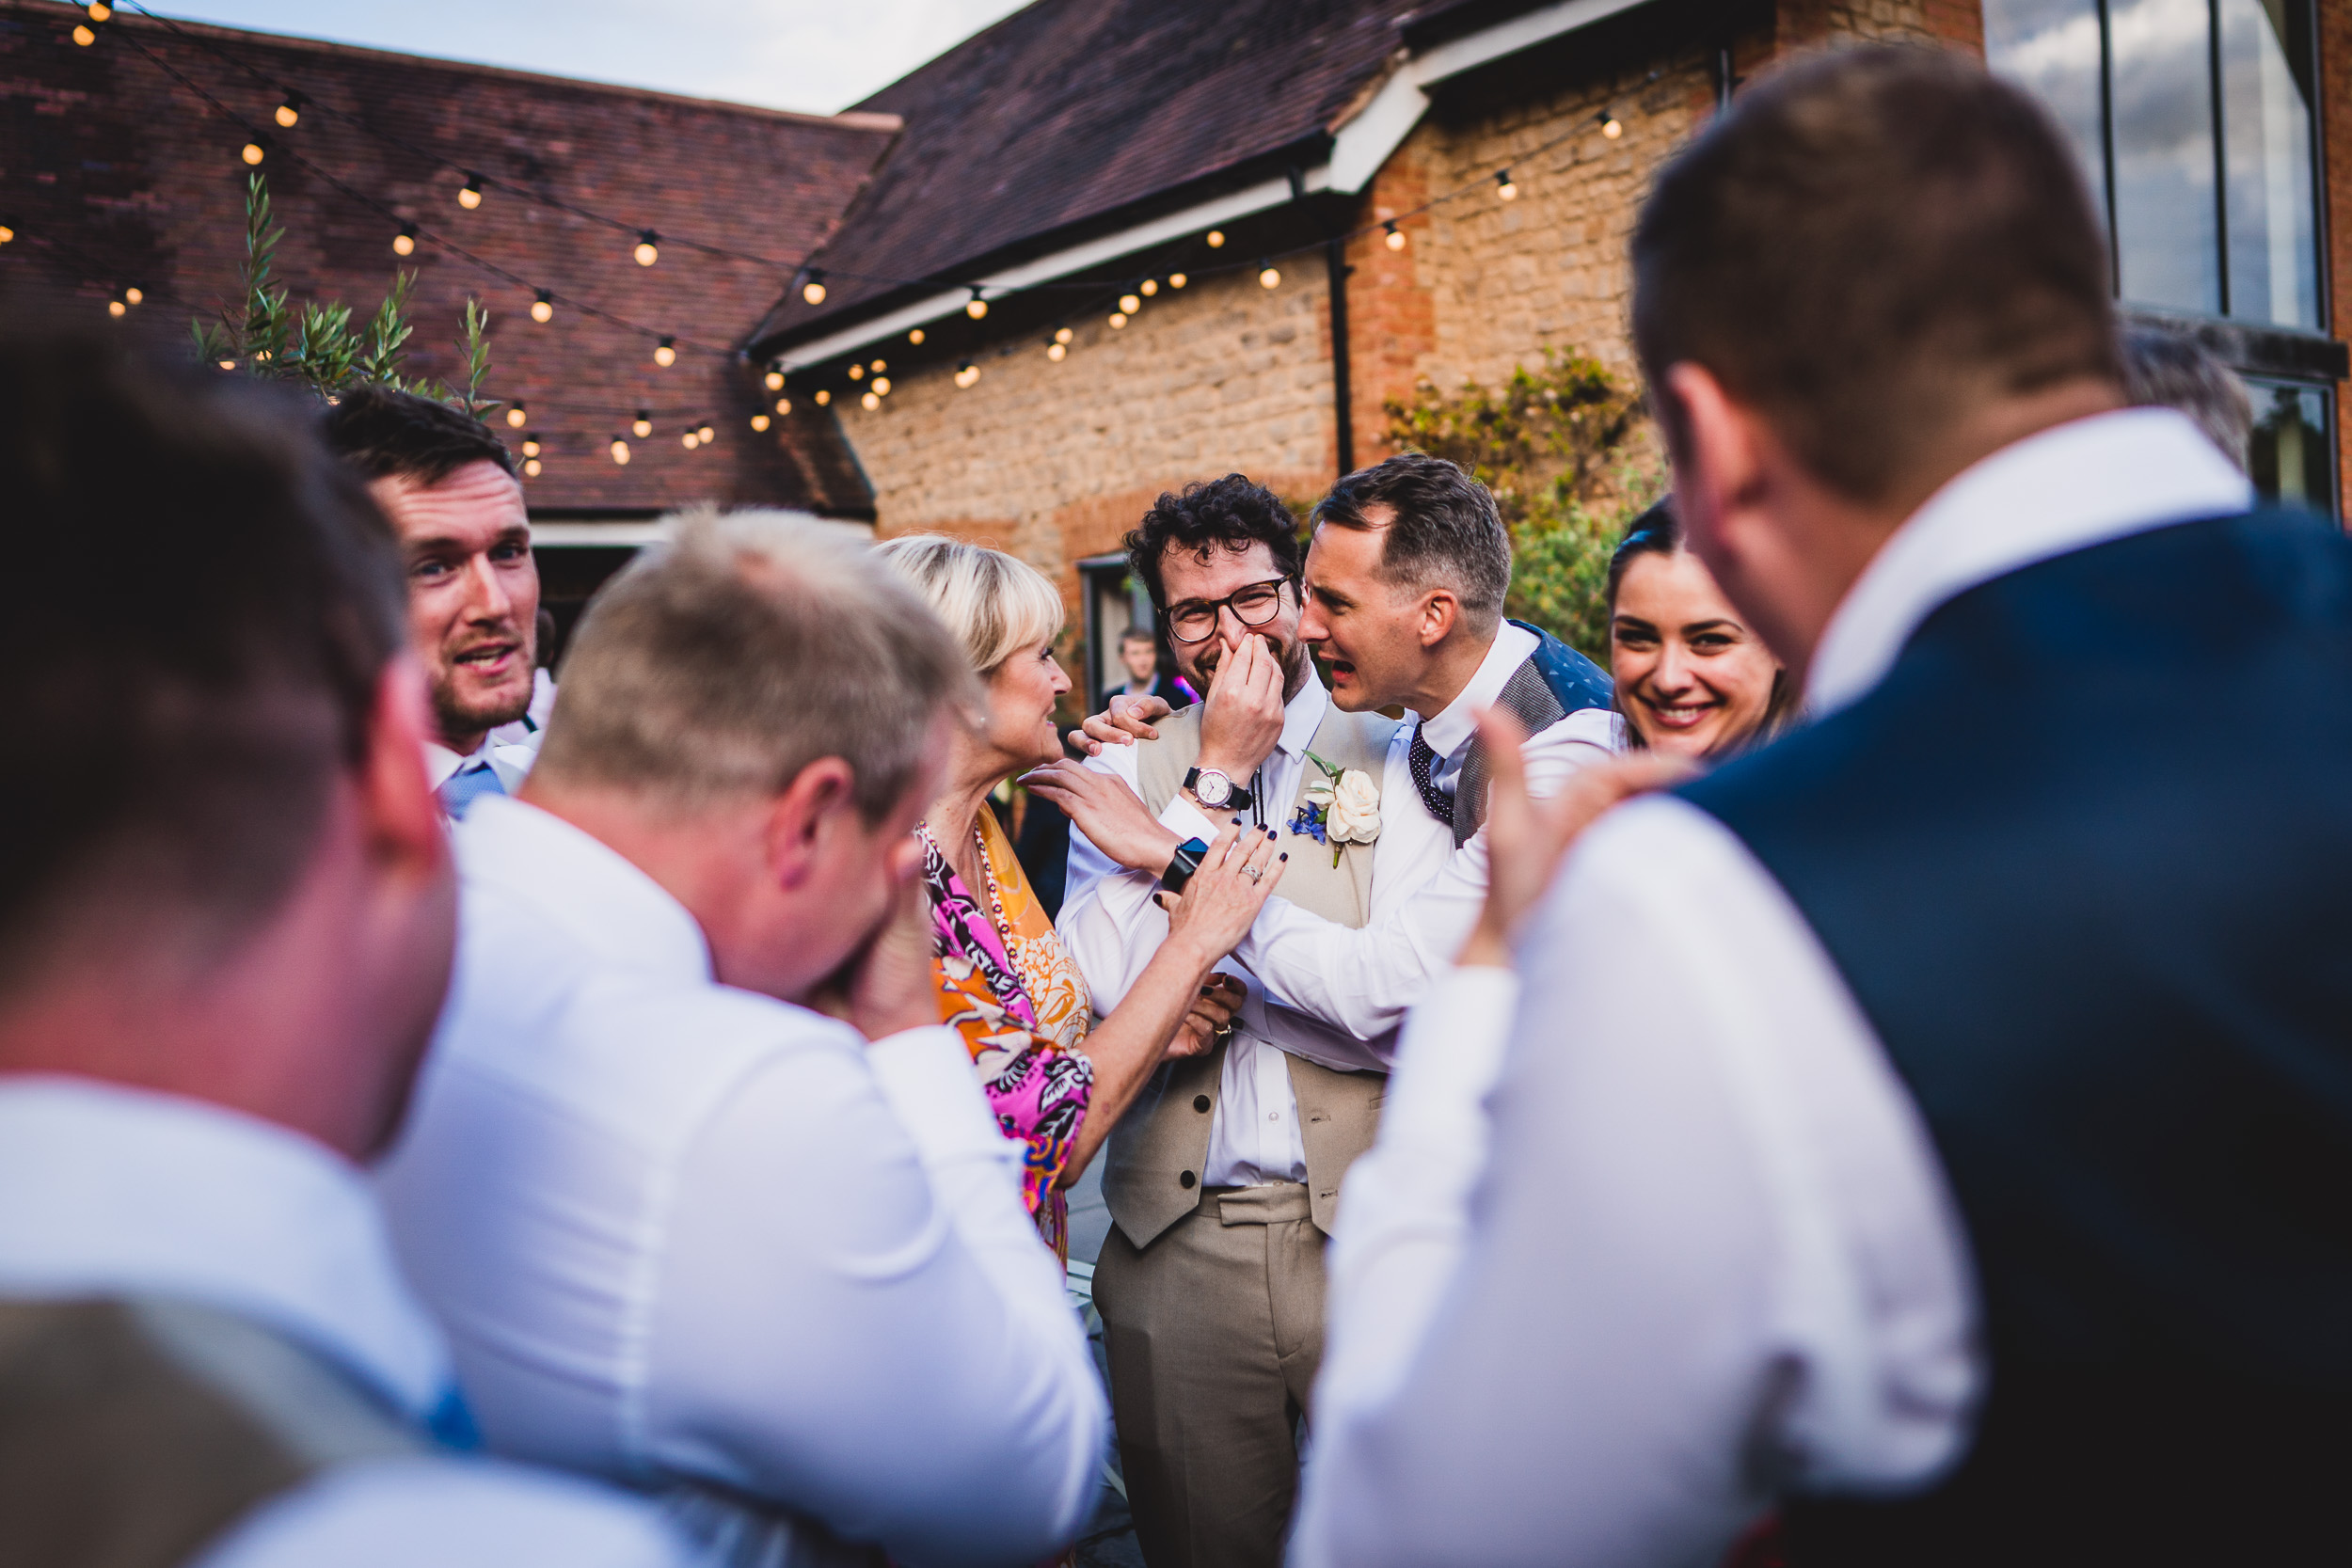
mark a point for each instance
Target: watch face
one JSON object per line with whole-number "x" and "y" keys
{"x": 1213, "y": 788}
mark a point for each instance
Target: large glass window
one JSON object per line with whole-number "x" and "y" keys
{"x": 2193, "y": 122}
{"x": 2289, "y": 456}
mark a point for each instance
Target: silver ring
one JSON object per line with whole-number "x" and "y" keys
{"x": 1257, "y": 874}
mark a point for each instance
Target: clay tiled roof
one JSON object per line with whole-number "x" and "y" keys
{"x": 117, "y": 172}
{"x": 1072, "y": 115}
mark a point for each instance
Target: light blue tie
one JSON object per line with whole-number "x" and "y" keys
{"x": 461, "y": 790}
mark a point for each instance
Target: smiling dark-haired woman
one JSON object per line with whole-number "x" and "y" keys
{"x": 1693, "y": 679}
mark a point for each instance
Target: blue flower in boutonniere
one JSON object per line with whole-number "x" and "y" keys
{"x": 1343, "y": 808}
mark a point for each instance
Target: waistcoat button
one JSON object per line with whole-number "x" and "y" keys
{"x": 1199, "y": 1102}
{"x": 1186, "y": 1181}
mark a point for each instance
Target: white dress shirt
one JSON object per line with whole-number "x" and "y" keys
{"x": 509, "y": 758}
{"x": 681, "y": 1234}
{"x": 107, "y": 1191}
{"x": 1362, "y": 979}
{"x": 1712, "y": 1255}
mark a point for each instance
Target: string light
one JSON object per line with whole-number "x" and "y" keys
{"x": 516, "y": 417}
{"x": 531, "y": 467}
{"x": 543, "y": 308}
{"x": 1610, "y": 126}
{"x": 469, "y": 194}
{"x": 814, "y": 290}
{"x": 1216, "y": 238}
{"x": 253, "y": 151}
{"x": 135, "y": 296}
{"x": 99, "y": 11}
{"x": 115, "y": 307}
{"x": 227, "y": 364}
{"x": 531, "y": 444}
{"x": 881, "y": 385}
{"x": 290, "y": 110}
{"x": 975, "y": 307}
{"x": 1149, "y": 287}
{"x": 1177, "y": 281}
{"x": 7, "y": 232}
{"x": 824, "y": 396}
{"x": 620, "y": 451}
{"x": 784, "y": 405}
{"x": 404, "y": 243}
{"x": 1269, "y": 276}
{"x": 1118, "y": 319}
{"x": 1396, "y": 236}
{"x": 648, "y": 249}
{"x": 690, "y": 440}
{"x": 878, "y": 367}
{"x": 1129, "y": 304}
{"x": 1063, "y": 334}
{"x": 1055, "y": 352}
{"x": 966, "y": 373}
{"x": 707, "y": 434}
{"x": 857, "y": 372}
{"x": 665, "y": 353}
{"x": 870, "y": 403}
{"x": 83, "y": 36}
{"x": 916, "y": 335}
{"x": 759, "y": 422}
{"x": 641, "y": 426}
{"x": 1503, "y": 187}
{"x": 775, "y": 381}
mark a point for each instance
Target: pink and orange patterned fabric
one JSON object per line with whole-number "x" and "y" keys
{"x": 1007, "y": 987}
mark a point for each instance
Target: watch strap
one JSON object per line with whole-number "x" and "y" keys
{"x": 1183, "y": 864}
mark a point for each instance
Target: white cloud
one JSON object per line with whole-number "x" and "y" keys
{"x": 784, "y": 54}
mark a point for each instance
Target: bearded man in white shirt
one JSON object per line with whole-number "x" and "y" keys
{"x": 449, "y": 487}
{"x": 687, "y": 1230}
{"x": 1224, "y": 1181}
{"x": 1918, "y": 1120}
{"x": 226, "y": 912}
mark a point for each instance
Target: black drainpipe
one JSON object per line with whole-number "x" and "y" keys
{"x": 1335, "y": 260}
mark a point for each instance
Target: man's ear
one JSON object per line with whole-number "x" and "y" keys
{"x": 398, "y": 809}
{"x": 814, "y": 809}
{"x": 1719, "y": 470}
{"x": 1440, "y": 612}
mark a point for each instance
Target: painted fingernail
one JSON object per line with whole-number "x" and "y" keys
{"x": 1284, "y": 856}
{"x": 1236, "y": 821}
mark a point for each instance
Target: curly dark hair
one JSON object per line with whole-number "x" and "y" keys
{"x": 381, "y": 433}
{"x": 1229, "y": 513}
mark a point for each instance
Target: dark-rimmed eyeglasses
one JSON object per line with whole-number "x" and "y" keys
{"x": 1195, "y": 620}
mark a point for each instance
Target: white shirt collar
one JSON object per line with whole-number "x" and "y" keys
{"x": 1301, "y": 717}
{"x": 583, "y": 886}
{"x": 2063, "y": 489}
{"x": 1452, "y": 728}
{"x": 106, "y": 1190}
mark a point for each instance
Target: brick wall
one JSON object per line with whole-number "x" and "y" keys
{"x": 2335, "y": 110}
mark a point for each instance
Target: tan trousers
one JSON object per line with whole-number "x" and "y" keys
{"x": 1213, "y": 1334}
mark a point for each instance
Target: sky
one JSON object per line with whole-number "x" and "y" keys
{"x": 815, "y": 56}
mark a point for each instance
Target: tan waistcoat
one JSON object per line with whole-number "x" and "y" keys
{"x": 1155, "y": 1155}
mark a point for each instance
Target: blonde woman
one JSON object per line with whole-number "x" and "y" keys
{"x": 1056, "y": 1079}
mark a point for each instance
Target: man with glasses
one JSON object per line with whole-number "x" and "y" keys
{"x": 1222, "y": 1181}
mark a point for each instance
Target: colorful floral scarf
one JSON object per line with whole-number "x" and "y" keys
{"x": 1022, "y": 1007}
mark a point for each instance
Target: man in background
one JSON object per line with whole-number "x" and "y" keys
{"x": 1139, "y": 650}
{"x": 449, "y": 487}
{"x": 224, "y": 930}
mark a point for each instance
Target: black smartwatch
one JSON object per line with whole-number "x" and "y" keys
{"x": 1183, "y": 864}
{"x": 1215, "y": 790}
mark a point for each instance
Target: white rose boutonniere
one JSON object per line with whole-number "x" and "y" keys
{"x": 1343, "y": 808}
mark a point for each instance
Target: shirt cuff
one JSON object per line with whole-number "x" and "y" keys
{"x": 926, "y": 1074}
{"x": 1186, "y": 820}
{"x": 1449, "y": 1056}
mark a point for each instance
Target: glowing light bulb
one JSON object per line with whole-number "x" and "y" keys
{"x": 707, "y": 434}
{"x": 290, "y": 111}
{"x": 1396, "y": 237}
{"x": 1149, "y": 287}
{"x": 469, "y": 194}
{"x": 824, "y": 396}
{"x": 1610, "y": 126}
{"x": 7, "y": 232}
{"x": 1118, "y": 319}
{"x": 881, "y": 385}
{"x": 543, "y": 308}
{"x": 531, "y": 467}
{"x": 134, "y": 296}
{"x": 1177, "y": 281}
{"x": 690, "y": 440}
{"x": 531, "y": 446}
{"x": 227, "y": 364}
{"x": 870, "y": 403}
{"x": 116, "y": 308}
{"x": 916, "y": 335}
{"x": 404, "y": 243}
{"x": 1129, "y": 304}
{"x": 966, "y": 373}
{"x": 252, "y": 154}
{"x": 99, "y": 11}
{"x": 1064, "y": 334}
{"x": 1216, "y": 238}
{"x": 648, "y": 251}
{"x": 759, "y": 422}
{"x": 814, "y": 290}
{"x": 878, "y": 367}
{"x": 1056, "y": 352}
{"x": 83, "y": 36}
{"x": 516, "y": 417}
{"x": 857, "y": 372}
{"x": 1503, "y": 187}
{"x": 784, "y": 405}
{"x": 775, "y": 381}
{"x": 665, "y": 353}
{"x": 641, "y": 426}
{"x": 620, "y": 451}
{"x": 975, "y": 307}
{"x": 1269, "y": 276}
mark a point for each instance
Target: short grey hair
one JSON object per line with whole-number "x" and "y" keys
{"x": 755, "y": 644}
{"x": 996, "y": 604}
{"x": 1444, "y": 531}
{"x": 2172, "y": 370}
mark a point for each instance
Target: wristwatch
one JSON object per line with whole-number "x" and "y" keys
{"x": 1186, "y": 862}
{"x": 1213, "y": 789}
